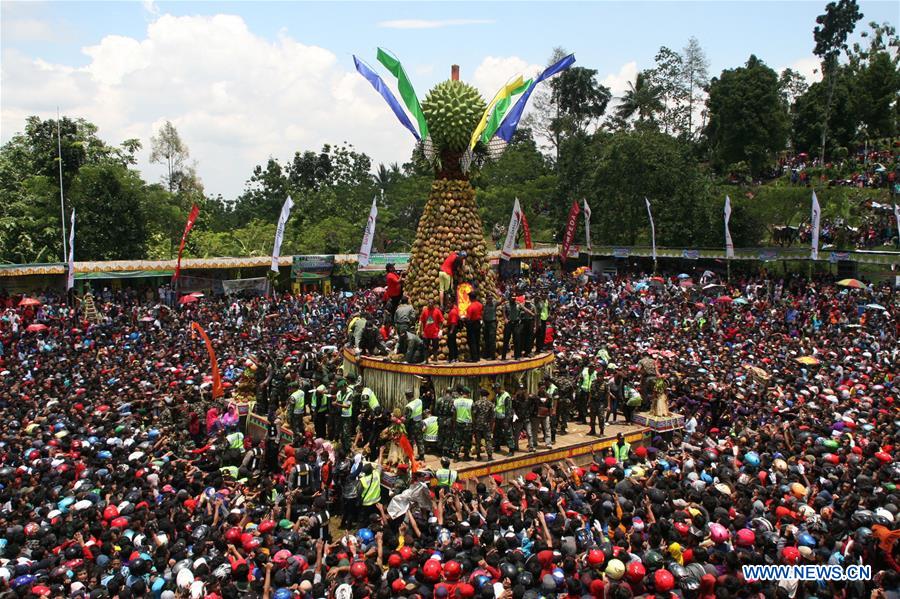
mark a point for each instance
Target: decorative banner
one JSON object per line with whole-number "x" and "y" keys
{"x": 652, "y": 228}
{"x": 279, "y": 232}
{"x": 729, "y": 245}
{"x": 403, "y": 442}
{"x": 500, "y": 111}
{"x": 768, "y": 255}
{"x": 320, "y": 263}
{"x": 570, "y": 231}
{"x": 512, "y": 231}
{"x": 587, "y": 225}
{"x": 366, "y": 248}
{"x": 836, "y": 257}
{"x": 70, "y": 278}
{"x": 897, "y": 217}
{"x": 690, "y": 254}
{"x": 503, "y": 93}
{"x": 217, "y": 389}
{"x": 621, "y": 252}
{"x": 192, "y": 217}
{"x": 511, "y": 122}
{"x": 378, "y": 262}
{"x": 406, "y": 89}
{"x": 814, "y": 221}
{"x": 386, "y": 93}
{"x": 526, "y": 231}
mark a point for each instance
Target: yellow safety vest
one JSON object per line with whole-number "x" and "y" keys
{"x": 371, "y": 485}
{"x": 463, "y": 407}
{"x": 445, "y": 477}
{"x": 415, "y": 409}
{"x": 235, "y": 440}
{"x": 621, "y": 451}
{"x": 371, "y": 398}
{"x": 431, "y": 429}
{"x": 500, "y": 405}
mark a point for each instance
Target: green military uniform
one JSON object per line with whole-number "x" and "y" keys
{"x": 445, "y": 412}
{"x": 503, "y": 421}
{"x": 463, "y": 437}
{"x": 414, "y": 426}
{"x": 318, "y": 405}
{"x": 598, "y": 395}
{"x": 483, "y": 424}
{"x": 345, "y": 405}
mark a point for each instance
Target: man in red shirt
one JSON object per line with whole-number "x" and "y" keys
{"x": 474, "y": 313}
{"x": 431, "y": 320}
{"x": 452, "y": 266}
{"x": 452, "y": 328}
{"x": 392, "y": 293}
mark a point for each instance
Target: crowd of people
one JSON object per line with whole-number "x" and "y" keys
{"x": 122, "y": 476}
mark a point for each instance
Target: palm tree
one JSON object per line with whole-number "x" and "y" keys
{"x": 641, "y": 99}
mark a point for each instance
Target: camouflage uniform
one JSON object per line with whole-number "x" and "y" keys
{"x": 566, "y": 386}
{"x": 483, "y": 424}
{"x": 522, "y": 407}
{"x": 598, "y": 398}
{"x": 446, "y": 415}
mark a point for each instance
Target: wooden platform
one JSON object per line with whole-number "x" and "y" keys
{"x": 576, "y": 445}
{"x": 447, "y": 369}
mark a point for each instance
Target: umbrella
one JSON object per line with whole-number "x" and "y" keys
{"x": 684, "y": 276}
{"x": 197, "y": 294}
{"x": 379, "y": 290}
{"x": 713, "y": 287}
{"x": 876, "y": 307}
{"x": 656, "y": 282}
{"x": 724, "y": 300}
{"x": 808, "y": 360}
{"x": 853, "y": 283}
{"x": 30, "y": 301}
{"x": 687, "y": 283}
{"x": 147, "y": 319}
{"x": 741, "y": 301}
{"x": 640, "y": 285}
{"x": 188, "y": 299}
{"x": 36, "y": 328}
{"x": 657, "y": 279}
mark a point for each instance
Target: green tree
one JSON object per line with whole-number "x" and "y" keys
{"x": 695, "y": 79}
{"x": 809, "y": 114}
{"x": 748, "y": 119}
{"x": 642, "y": 98}
{"x": 168, "y": 149}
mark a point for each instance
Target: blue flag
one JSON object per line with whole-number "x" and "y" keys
{"x": 379, "y": 85}
{"x": 511, "y": 122}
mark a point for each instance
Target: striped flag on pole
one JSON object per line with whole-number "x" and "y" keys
{"x": 70, "y": 278}
{"x": 366, "y": 248}
{"x": 587, "y": 224}
{"x": 814, "y": 220}
{"x": 279, "y": 232}
{"x": 652, "y": 228}
{"x": 729, "y": 245}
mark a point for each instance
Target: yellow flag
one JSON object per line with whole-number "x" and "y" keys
{"x": 503, "y": 92}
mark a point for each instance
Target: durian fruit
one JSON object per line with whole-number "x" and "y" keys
{"x": 452, "y": 110}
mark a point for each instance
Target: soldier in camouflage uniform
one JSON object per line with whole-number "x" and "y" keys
{"x": 598, "y": 400}
{"x": 345, "y": 408}
{"x": 483, "y": 424}
{"x": 566, "y": 383}
{"x": 503, "y": 412}
{"x": 445, "y": 413}
{"x": 462, "y": 439}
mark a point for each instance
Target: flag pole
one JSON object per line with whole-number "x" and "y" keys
{"x": 62, "y": 203}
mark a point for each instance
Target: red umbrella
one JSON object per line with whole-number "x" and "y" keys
{"x": 30, "y": 301}
{"x": 36, "y": 328}
{"x": 724, "y": 300}
{"x": 658, "y": 279}
{"x": 188, "y": 299}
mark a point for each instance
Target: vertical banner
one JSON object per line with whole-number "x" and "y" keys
{"x": 526, "y": 231}
{"x": 814, "y": 221}
{"x": 217, "y": 389}
{"x": 652, "y": 228}
{"x": 729, "y": 245}
{"x": 70, "y": 277}
{"x": 366, "y": 248}
{"x": 192, "y": 217}
{"x": 571, "y": 224}
{"x": 279, "y": 232}
{"x": 512, "y": 231}
{"x": 897, "y": 217}
{"x": 587, "y": 225}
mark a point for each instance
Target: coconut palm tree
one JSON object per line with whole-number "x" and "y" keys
{"x": 642, "y": 99}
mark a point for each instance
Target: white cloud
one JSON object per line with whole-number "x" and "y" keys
{"x": 27, "y": 29}
{"x": 235, "y": 98}
{"x": 495, "y": 71}
{"x": 618, "y": 82}
{"x": 808, "y": 67}
{"x": 151, "y": 7}
{"x": 431, "y": 24}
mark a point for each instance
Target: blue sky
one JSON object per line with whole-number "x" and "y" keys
{"x": 131, "y": 65}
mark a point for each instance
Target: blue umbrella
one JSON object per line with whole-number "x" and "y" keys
{"x": 684, "y": 276}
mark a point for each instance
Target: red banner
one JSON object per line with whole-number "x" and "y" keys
{"x": 217, "y": 389}
{"x": 406, "y": 446}
{"x": 192, "y": 217}
{"x": 526, "y": 230}
{"x": 570, "y": 231}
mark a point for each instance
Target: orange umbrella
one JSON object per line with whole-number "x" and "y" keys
{"x": 30, "y": 301}
{"x": 724, "y": 300}
{"x": 188, "y": 299}
{"x": 852, "y": 283}
{"x": 36, "y": 328}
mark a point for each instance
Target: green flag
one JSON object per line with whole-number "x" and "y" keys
{"x": 500, "y": 111}
{"x": 405, "y": 88}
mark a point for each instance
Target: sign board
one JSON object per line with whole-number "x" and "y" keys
{"x": 377, "y": 262}
{"x": 621, "y": 252}
{"x": 320, "y": 263}
{"x": 768, "y": 255}
{"x": 690, "y": 254}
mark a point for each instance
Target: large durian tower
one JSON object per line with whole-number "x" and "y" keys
{"x": 451, "y": 221}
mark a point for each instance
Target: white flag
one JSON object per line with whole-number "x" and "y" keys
{"x": 587, "y": 224}
{"x": 652, "y": 228}
{"x": 729, "y": 245}
{"x": 366, "y": 248}
{"x": 279, "y": 232}
{"x": 814, "y": 220}
{"x": 897, "y": 216}
{"x": 515, "y": 220}
{"x": 70, "y": 279}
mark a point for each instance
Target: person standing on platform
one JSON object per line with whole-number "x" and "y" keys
{"x": 370, "y": 493}
{"x": 553, "y": 395}
{"x": 586, "y": 381}
{"x": 445, "y": 412}
{"x": 527, "y": 324}
{"x": 503, "y": 412}
{"x": 599, "y": 399}
{"x": 521, "y": 417}
{"x": 297, "y": 404}
{"x": 452, "y": 330}
{"x": 450, "y": 269}
{"x": 543, "y": 315}
{"x": 512, "y": 312}
{"x": 345, "y": 405}
{"x": 489, "y": 346}
{"x": 616, "y": 394}
{"x": 392, "y": 292}
{"x": 483, "y": 425}
{"x": 404, "y": 322}
{"x": 430, "y": 431}
{"x": 319, "y": 404}
{"x": 431, "y": 321}
{"x": 463, "y": 437}
{"x": 540, "y": 417}
{"x": 413, "y": 413}
{"x": 474, "y": 314}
